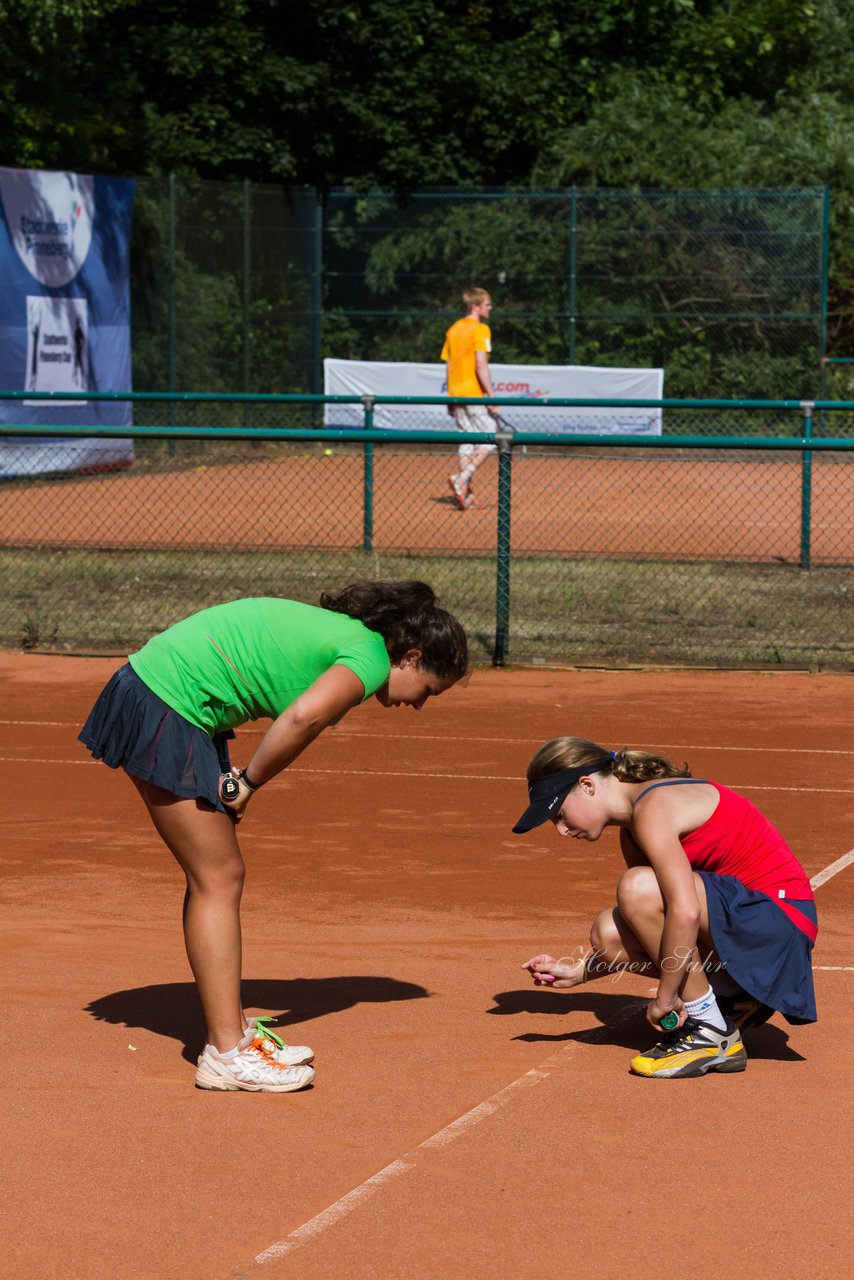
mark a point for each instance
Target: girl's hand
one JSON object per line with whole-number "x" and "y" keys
{"x": 657, "y": 1008}
{"x": 549, "y": 972}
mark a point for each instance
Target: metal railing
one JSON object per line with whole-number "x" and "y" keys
{"x": 383, "y": 524}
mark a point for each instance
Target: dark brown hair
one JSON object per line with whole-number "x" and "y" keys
{"x": 407, "y": 616}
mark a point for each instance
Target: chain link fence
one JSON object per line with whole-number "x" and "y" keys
{"x": 585, "y": 549}
{"x": 245, "y": 288}
{"x": 225, "y": 281}
{"x": 724, "y": 290}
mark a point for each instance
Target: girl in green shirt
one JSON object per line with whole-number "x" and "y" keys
{"x": 165, "y": 718}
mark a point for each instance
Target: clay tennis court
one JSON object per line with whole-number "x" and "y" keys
{"x": 462, "y": 1124}
{"x": 723, "y": 507}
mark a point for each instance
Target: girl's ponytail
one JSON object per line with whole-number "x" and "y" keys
{"x": 645, "y": 766}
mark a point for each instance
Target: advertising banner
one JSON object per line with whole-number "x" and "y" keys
{"x": 64, "y": 314}
{"x": 533, "y": 382}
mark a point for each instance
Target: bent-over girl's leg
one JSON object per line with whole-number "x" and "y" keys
{"x": 204, "y": 843}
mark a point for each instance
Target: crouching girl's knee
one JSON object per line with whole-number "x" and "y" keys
{"x": 637, "y": 887}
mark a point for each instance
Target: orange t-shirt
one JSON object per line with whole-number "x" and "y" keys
{"x": 462, "y": 340}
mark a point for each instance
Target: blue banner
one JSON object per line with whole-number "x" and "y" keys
{"x": 64, "y": 313}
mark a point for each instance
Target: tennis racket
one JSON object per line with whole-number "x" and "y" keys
{"x": 229, "y": 788}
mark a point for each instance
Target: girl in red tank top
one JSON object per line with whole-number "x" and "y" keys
{"x": 713, "y": 902}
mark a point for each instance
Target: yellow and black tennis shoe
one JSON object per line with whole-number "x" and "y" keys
{"x": 692, "y": 1050}
{"x": 744, "y": 1012}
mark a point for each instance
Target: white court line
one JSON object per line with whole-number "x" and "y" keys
{"x": 824, "y": 791}
{"x": 350, "y": 732}
{"x": 451, "y": 1132}
{"x": 662, "y": 746}
{"x": 835, "y": 867}
{"x": 455, "y": 1129}
{"x": 443, "y": 1138}
{"x": 425, "y": 773}
{"x": 44, "y": 724}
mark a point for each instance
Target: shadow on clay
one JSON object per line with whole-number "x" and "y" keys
{"x": 172, "y": 1009}
{"x": 621, "y": 1022}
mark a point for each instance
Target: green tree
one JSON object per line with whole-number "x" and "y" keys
{"x": 385, "y": 92}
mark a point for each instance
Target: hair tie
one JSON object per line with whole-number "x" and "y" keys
{"x": 613, "y": 755}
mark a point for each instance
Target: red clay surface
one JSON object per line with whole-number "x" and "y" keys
{"x": 388, "y": 908}
{"x": 690, "y": 508}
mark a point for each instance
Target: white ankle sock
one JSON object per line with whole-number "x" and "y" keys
{"x": 706, "y": 1010}
{"x": 229, "y": 1053}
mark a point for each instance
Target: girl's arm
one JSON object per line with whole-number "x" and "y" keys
{"x": 331, "y": 696}
{"x": 632, "y": 855}
{"x": 656, "y": 828}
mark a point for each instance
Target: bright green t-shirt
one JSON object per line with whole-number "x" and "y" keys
{"x": 253, "y": 658}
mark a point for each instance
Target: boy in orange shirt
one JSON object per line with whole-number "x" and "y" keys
{"x": 468, "y": 344}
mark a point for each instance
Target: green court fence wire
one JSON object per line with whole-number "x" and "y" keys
{"x": 241, "y": 287}
{"x": 726, "y": 540}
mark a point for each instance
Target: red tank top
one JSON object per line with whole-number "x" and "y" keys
{"x": 738, "y": 840}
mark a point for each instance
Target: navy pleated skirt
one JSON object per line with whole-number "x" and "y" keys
{"x": 762, "y": 950}
{"x": 129, "y": 727}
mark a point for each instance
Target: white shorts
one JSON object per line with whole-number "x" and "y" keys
{"x": 474, "y": 417}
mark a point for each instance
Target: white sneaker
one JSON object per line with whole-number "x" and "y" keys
{"x": 253, "y": 1068}
{"x": 292, "y": 1055}
{"x": 458, "y": 489}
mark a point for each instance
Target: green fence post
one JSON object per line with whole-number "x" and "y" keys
{"x": 825, "y": 276}
{"x": 807, "y": 407}
{"x": 368, "y": 478}
{"x": 573, "y": 273}
{"x": 170, "y": 299}
{"x": 504, "y": 440}
{"x": 247, "y": 259}
{"x": 316, "y": 306}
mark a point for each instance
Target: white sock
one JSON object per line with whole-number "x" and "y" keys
{"x": 466, "y": 474}
{"x": 229, "y": 1053}
{"x": 706, "y": 1010}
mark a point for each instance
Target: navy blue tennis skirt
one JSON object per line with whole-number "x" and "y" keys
{"x": 762, "y": 950}
{"x": 130, "y": 727}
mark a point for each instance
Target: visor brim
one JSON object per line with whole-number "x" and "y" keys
{"x": 535, "y": 815}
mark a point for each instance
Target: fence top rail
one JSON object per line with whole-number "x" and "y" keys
{"x": 518, "y": 402}
{"x": 358, "y": 435}
{"x": 580, "y": 193}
